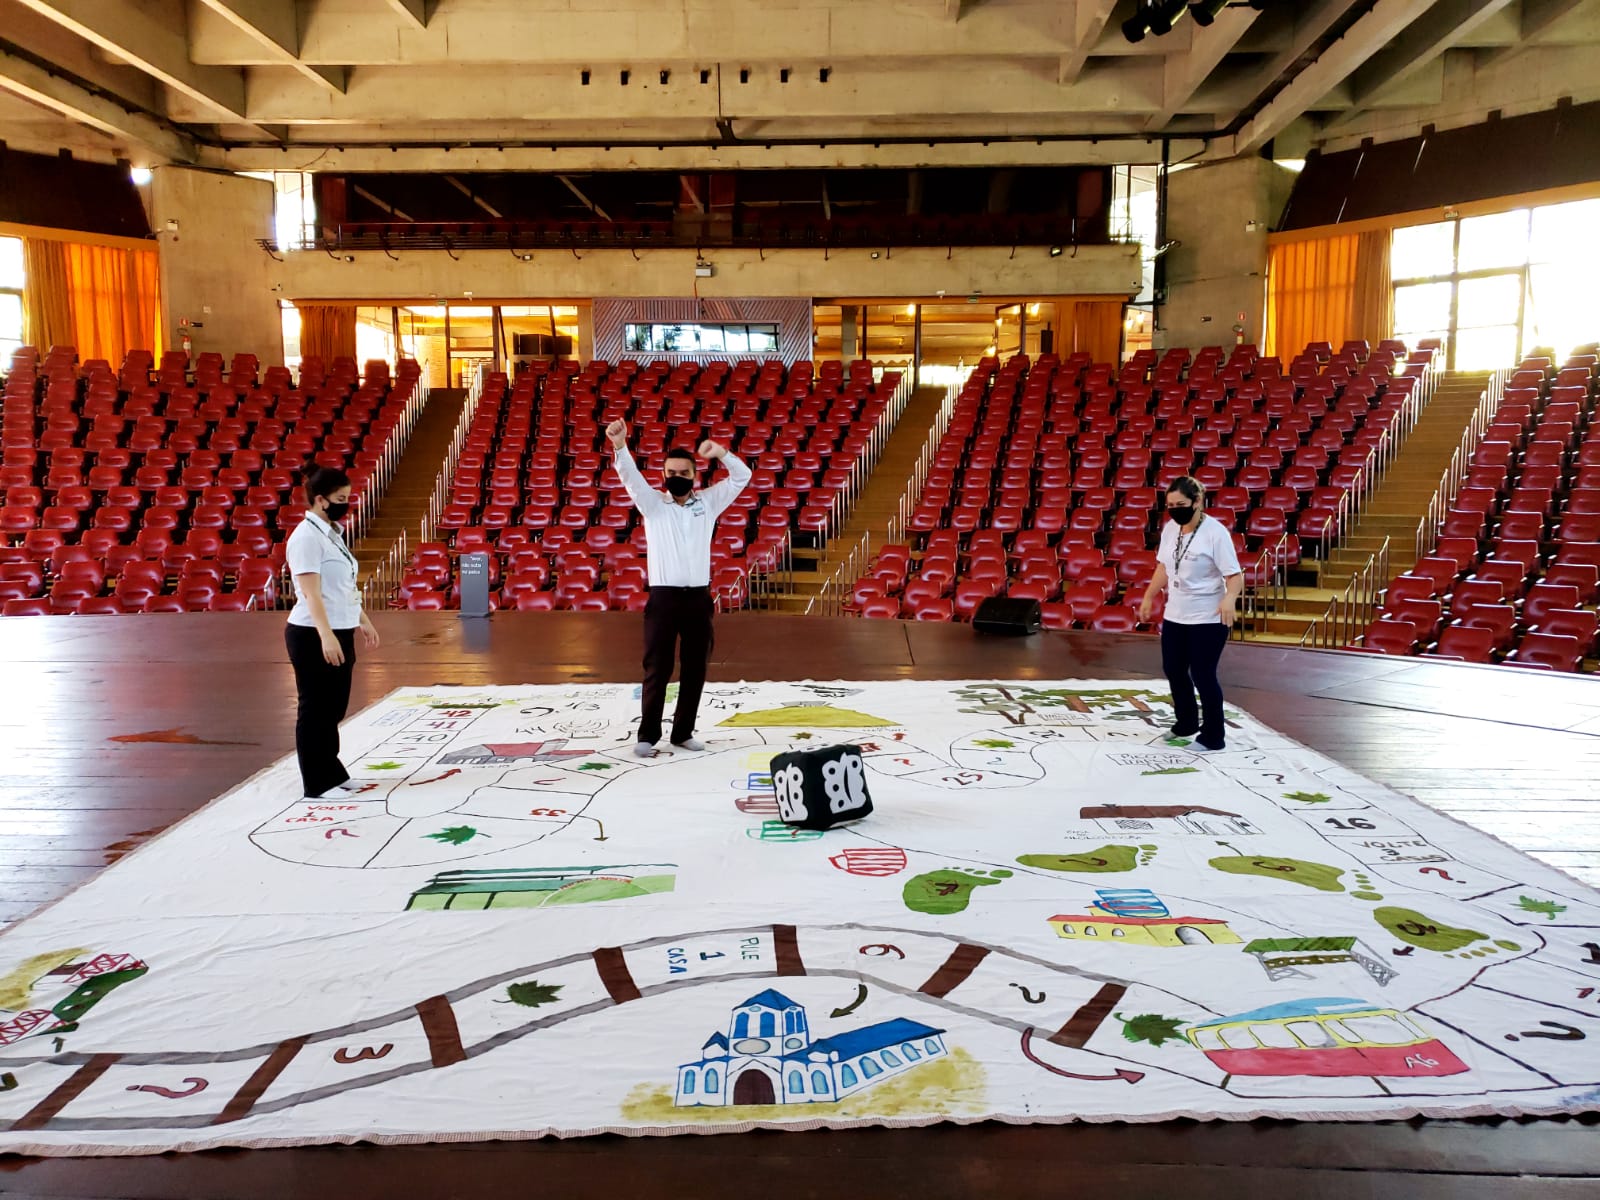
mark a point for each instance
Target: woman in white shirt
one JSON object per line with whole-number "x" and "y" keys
{"x": 321, "y": 634}
{"x": 1198, "y": 568}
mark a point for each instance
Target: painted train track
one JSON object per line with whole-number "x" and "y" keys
{"x": 1044, "y": 1001}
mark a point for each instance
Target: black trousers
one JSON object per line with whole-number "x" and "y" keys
{"x": 324, "y": 692}
{"x": 1189, "y": 656}
{"x": 677, "y": 621}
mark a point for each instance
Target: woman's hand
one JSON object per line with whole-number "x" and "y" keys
{"x": 332, "y": 652}
{"x": 369, "y": 632}
{"x": 1228, "y": 612}
{"x": 1146, "y": 608}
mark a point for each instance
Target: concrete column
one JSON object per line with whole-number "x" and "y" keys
{"x": 848, "y": 316}
{"x": 212, "y": 271}
{"x": 1221, "y": 214}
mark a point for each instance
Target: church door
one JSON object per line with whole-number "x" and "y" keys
{"x": 753, "y": 1087}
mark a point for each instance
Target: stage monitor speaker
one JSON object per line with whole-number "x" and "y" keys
{"x": 1002, "y": 614}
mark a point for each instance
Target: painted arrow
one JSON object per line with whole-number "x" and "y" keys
{"x": 437, "y": 778}
{"x": 327, "y": 834}
{"x": 1027, "y": 1052}
{"x": 861, "y": 998}
{"x": 599, "y": 837}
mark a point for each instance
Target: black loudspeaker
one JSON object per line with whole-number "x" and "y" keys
{"x": 1047, "y": 340}
{"x": 818, "y": 789}
{"x": 1001, "y": 614}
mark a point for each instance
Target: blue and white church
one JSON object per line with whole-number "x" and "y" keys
{"x": 766, "y": 1056}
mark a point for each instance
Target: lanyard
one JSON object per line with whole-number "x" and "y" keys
{"x": 336, "y": 540}
{"x": 1180, "y": 550}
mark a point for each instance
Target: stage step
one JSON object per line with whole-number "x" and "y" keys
{"x": 878, "y": 503}
{"x": 1402, "y": 499}
{"x": 406, "y": 502}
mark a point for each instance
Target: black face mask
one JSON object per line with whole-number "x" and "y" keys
{"x": 338, "y": 512}
{"x": 679, "y": 486}
{"x": 1181, "y": 515}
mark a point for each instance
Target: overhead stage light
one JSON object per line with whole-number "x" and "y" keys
{"x": 1153, "y": 16}
{"x": 1055, "y": 251}
{"x": 1205, "y": 11}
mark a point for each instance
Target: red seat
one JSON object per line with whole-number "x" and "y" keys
{"x": 1388, "y": 635}
{"x": 1114, "y": 618}
{"x": 1499, "y": 619}
{"x": 27, "y": 608}
{"x": 1584, "y": 577}
{"x": 885, "y": 607}
{"x": 425, "y": 601}
{"x": 1425, "y": 615}
{"x": 1472, "y": 644}
{"x": 1552, "y": 651}
{"x": 1542, "y": 598}
{"x": 939, "y": 609}
{"x": 1580, "y": 623}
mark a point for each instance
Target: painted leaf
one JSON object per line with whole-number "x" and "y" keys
{"x": 1548, "y": 907}
{"x": 994, "y": 743}
{"x": 384, "y": 766}
{"x": 1308, "y": 797}
{"x": 455, "y": 835}
{"x": 1150, "y": 1027}
{"x": 533, "y": 993}
{"x": 595, "y": 766}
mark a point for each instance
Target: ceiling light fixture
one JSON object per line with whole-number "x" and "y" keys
{"x": 1205, "y": 12}
{"x": 1153, "y": 16}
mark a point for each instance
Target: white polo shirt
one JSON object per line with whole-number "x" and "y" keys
{"x": 317, "y": 548}
{"x": 678, "y": 536}
{"x": 1196, "y": 586}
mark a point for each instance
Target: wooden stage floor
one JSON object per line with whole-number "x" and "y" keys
{"x": 114, "y": 727}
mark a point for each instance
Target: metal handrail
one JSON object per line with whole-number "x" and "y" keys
{"x": 1450, "y": 482}
{"x": 919, "y": 470}
{"x": 1258, "y": 602}
{"x": 1350, "y": 612}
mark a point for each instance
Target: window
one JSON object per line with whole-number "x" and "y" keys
{"x": 1490, "y": 288}
{"x": 688, "y": 1083}
{"x": 769, "y": 1024}
{"x": 791, "y": 1022}
{"x": 869, "y": 1066}
{"x": 698, "y": 338}
{"x": 819, "y": 1083}
{"x": 797, "y": 1083}
{"x": 911, "y": 1052}
{"x": 1239, "y": 1037}
{"x": 891, "y": 1059}
{"x": 847, "y": 1076}
{"x": 1381, "y": 1029}
{"x": 1275, "y": 1036}
{"x": 712, "y": 1084}
{"x": 11, "y": 278}
{"x": 741, "y": 1026}
{"x": 1208, "y": 1039}
{"x": 931, "y": 1045}
{"x": 1311, "y": 1034}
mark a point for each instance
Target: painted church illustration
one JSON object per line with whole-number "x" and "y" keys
{"x": 766, "y": 1056}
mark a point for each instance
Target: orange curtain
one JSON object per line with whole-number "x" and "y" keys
{"x": 327, "y": 331}
{"x": 1372, "y": 306}
{"x": 1328, "y": 289}
{"x": 104, "y": 300}
{"x": 46, "y": 295}
{"x": 1093, "y": 327}
{"x": 1311, "y": 288}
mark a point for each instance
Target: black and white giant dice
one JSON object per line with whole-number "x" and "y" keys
{"x": 818, "y": 789}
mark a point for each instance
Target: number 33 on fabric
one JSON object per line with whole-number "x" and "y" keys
{"x": 818, "y": 789}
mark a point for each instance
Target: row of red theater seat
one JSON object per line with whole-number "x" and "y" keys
{"x": 1033, "y": 472}
{"x": 1514, "y": 572}
{"x": 216, "y": 484}
{"x": 535, "y": 470}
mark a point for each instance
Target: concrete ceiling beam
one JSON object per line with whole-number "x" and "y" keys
{"x": 272, "y": 25}
{"x": 22, "y": 78}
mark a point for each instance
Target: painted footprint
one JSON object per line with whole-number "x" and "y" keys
{"x": 1419, "y": 929}
{"x": 947, "y": 890}
{"x": 1103, "y": 860}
